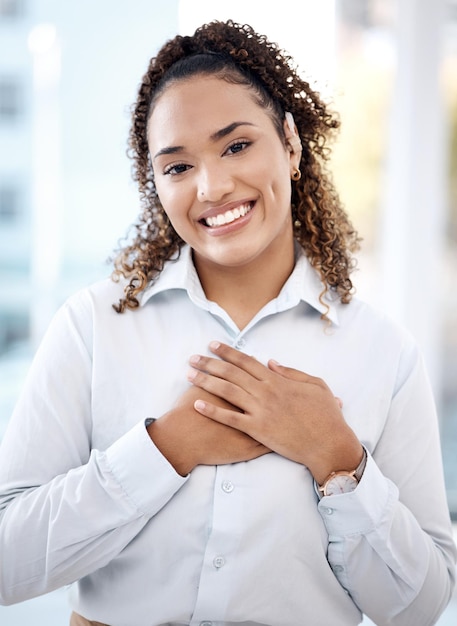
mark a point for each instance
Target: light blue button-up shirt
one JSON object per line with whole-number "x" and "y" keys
{"x": 87, "y": 499}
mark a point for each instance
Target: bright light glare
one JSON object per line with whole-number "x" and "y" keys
{"x": 42, "y": 38}
{"x": 304, "y": 28}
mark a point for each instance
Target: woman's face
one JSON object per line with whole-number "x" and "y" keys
{"x": 222, "y": 173}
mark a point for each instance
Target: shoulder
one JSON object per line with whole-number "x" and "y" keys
{"x": 88, "y": 306}
{"x": 373, "y": 327}
{"x": 97, "y": 297}
{"x": 379, "y": 341}
{"x": 370, "y": 317}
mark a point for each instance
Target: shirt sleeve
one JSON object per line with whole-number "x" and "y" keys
{"x": 65, "y": 509}
{"x": 390, "y": 540}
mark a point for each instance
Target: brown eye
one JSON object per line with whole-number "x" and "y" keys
{"x": 238, "y": 146}
{"x": 174, "y": 170}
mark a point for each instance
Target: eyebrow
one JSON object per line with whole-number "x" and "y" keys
{"x": 219, "y": 134}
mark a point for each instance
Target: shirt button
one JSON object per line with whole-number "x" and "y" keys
{"x": 329, "y": 511}
{"x": 240, "y": 343}
{"x": 218, "y": 562}
{"x": 227, "y": 486}
{"x": 338, "y": 569}
{"x": 206, "y": 623}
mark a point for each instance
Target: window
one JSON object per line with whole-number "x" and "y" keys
{"x": 9, "y": 203}
{"x": 10, "y": 99}
{"x": 11, "y": 8}
{"x": 452, "y": 10}
{"x": 14, "y": 329}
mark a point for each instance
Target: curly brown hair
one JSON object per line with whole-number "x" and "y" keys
{"x": 239, "y": 55}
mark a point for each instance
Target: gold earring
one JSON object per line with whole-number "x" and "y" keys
{"x": 296, "y": 174}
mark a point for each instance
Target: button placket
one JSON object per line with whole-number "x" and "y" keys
{"x": 238, "y": 342}
{"x": 223, "y": 541}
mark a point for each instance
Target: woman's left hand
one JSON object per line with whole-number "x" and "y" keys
{"x": 288, "y": 411}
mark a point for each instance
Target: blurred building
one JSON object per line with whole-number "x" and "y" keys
{"x": 65, "y": 191}
{"x": 15, "y": 173}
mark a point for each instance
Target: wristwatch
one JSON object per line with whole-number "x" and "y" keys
{"x": 343, "y": 481}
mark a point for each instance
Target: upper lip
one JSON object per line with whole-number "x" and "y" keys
{"x": 223, "y": 208}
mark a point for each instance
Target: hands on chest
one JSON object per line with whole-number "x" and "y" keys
{"x": 238, "y": 409}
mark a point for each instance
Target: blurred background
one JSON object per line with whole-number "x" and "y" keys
{"x": 68, "y": 75}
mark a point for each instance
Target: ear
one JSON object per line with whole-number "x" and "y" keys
{"x": 293, "y": 142}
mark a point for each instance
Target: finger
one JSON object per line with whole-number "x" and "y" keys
{"x": 221, "y": 369}
{"x": 241, "y": 360}
{"x": 293, "y": 374}
{"x": 234, "y": 419}
{"x": 226, "y": 390}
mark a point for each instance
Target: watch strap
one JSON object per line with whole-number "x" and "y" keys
{"x": 361, "y": 466}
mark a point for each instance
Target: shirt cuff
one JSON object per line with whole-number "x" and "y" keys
{"x": 142, "y": 471}
{"x": 361, "y": 510}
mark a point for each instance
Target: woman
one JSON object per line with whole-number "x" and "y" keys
{"x": 238, "y": 440}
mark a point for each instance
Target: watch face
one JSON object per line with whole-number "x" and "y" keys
{"x": 341, "y": 483}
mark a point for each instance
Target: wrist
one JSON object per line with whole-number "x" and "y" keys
{"x": 342, "y": 481}
{"x": 346, "y": 460}
{"x": 170, "y": 446}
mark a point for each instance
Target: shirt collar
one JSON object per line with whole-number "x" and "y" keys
{"x": 178, "y": 273}
{"x": 303, "y": 284}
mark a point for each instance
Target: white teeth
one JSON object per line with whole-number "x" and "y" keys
{"x": 228, "y": 216}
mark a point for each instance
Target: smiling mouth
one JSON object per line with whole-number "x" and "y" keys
{"x": 229, "y": 216}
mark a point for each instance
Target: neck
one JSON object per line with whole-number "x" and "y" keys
{"x": 243, "y": 291}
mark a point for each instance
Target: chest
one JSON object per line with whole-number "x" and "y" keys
{"x": 142, "y": 373}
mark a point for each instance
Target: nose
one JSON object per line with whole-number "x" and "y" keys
{"x": 214, "y": 183}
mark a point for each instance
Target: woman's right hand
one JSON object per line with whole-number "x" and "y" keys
{"x": 187, "y": 438}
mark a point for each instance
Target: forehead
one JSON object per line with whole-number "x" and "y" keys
{"x": 201, "y": 105}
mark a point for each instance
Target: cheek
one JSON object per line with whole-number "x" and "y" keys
{"x": 161, "y": 188}
{"x": 170, "y": 198}
{"x": 273, "y": 171}
{"x": 177, "y": 204}
{"x": 276, "y": 183}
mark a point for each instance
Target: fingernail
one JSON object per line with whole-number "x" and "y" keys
{"x": 191, "y": 374}
{"x": 195, "y": 358}
{"x": 274, "y": 362}
{"x": 199, "y": 405}
{"x": 214, "y": 345}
